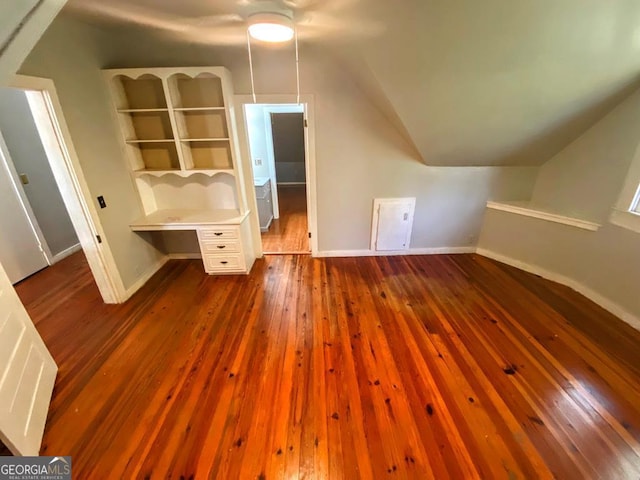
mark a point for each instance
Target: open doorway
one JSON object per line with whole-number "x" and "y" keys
{"x": 277, "y": 148}
{"x": 55, "y": 218}
{"x": 37, "y": 228}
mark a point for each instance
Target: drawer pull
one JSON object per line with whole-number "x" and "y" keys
{"x": 221, "y": 246}
{"x": 217, "y": 234}
{"x": 224, "y": 262}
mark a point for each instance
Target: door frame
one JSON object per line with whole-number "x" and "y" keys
{"x": 307, "y": 101}
{"x": 67, "y": 171}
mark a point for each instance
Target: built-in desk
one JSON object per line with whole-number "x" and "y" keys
{"x": 223, "y": 236}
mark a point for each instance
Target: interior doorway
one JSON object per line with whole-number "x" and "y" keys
{"x": 68, "y": 180}
{"x": 37, "y": 228}
{"x": 279, "y": 161}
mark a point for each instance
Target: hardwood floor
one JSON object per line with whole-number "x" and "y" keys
{"x": 443, "y": 366}
{"x": 289, "y": 233}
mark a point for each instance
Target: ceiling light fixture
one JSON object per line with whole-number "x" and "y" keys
{"x": 271, "y": 27}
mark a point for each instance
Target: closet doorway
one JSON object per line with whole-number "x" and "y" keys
{"x": 278, "y": 146}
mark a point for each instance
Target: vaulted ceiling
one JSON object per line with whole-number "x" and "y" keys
{"x": 495, "y": 82}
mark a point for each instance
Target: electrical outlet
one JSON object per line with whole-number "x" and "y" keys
{"x": 101, "y": 202}
{"x": 258, "y": 162}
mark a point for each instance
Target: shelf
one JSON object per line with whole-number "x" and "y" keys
{"x": 197, "y": 109}
{"x": 202, "y": 124}
{"x": 207, "y": 154}
{"x": 145, "y": 92}
{"x": 147, "y": 125}
{"x": 203, "y": 90}
{"x": 184, "y": 173}
{"x": 528, "y": 210}
{"x": 184, "y": 219}
{"x": 142, "y": 110}
{"x": 160, "y": 140}
{"x": 189, "y": 140}
{"x": 155, "y": 154}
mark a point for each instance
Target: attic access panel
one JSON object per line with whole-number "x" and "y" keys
{"x": 392, "y": 223}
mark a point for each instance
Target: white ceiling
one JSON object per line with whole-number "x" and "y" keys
{"x": 495, "y": 82}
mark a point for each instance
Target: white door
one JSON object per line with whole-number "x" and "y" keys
{"x": 27, "y": 375}
{"x": 21, "y": 253}
{"x": 392, "y": 223}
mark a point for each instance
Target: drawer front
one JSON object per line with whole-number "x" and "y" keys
{"x": 223, "y": 263}
{"x": 220, "y": 247}
{"x": 218, "y": 233}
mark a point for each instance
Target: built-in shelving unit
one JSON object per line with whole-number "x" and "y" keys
{"x": 179, "y": 135}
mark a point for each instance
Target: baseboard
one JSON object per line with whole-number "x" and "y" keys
{"x": 65, "y": 253}
{"x": 592, "y": 295}
{"x": 411, "y": 251}
{"x": 144, "y": 278}
{"x": 184, "y": 256}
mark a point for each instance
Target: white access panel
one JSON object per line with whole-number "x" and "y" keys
{"x": 392, "y": 223}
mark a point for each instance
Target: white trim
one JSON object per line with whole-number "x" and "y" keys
{"x": 65, "y": 165}
{"x": 66, "y": 252}
{"x": 626, "y": 219}
{"x": 144, "y": 278}
{"x": 594, "y": 296}
{"x": 528, "y": 211}
{"x": 393, "y": 253}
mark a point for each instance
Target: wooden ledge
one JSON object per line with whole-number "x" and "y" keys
{"x": 523, "y": 208}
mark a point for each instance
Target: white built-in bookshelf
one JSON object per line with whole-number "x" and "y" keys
{"x": 179, "y": 137}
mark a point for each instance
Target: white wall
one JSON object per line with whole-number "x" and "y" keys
{"x": 584, "y": 178}
{"x": 359, "y": 154}
{"x": 29, "y": 157}
{"x": 258, "y": 145}
{"x": 21, "y": 25}
{"x": 604, "y": 264}
{"x": 499, "y": 82}
{"x": 69, "y": 54}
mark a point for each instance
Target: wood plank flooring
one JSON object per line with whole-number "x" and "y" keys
{"x": 447, "y": 366}
{"x": 289, "y": 233}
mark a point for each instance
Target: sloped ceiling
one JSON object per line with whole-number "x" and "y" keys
{"x": 471, "y": 83}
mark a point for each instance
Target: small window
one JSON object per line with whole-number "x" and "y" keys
{"x": 635, "y": 203}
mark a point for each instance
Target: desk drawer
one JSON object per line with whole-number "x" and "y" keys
{"x": 218, "y": 233}
{"x": 223, "y": 263}
{"x": 220, "y": 247}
